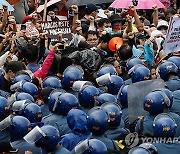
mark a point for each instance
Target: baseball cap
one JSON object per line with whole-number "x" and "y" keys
{"x": 162, "y": 23}
{"x": 156, "y": 33}
{"x": 116, "y": 17}
{"x": 26, "y": 18}
{"x": 140, "y": 36}
{"x": 90, "y": 8}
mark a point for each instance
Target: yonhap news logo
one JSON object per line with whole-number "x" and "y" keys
{"x": 133, "y": 140}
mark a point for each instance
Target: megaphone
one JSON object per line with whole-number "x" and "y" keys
{"x": 115, "y": 43}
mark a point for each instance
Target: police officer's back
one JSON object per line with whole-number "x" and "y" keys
{"x": 77, "y": 122}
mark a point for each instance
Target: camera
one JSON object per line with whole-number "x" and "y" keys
{"x": 61, "y": 46}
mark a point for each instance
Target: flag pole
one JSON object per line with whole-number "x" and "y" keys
{"x": 45, "y": 10}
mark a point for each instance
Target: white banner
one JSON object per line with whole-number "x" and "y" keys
{"x": 172, "y": 43}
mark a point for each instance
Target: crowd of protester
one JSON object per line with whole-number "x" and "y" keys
{"x": 71, "y": 96}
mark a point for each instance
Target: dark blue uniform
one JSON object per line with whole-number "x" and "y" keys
{"x": 164, "y": 148}
{"x": 57, "y": 121}
{"x": 5, "y": 135}
{"x": 128, "y": 81}
{"x": 23, "y": 146}
{"x": 117, "y": 133}
{"x": 45, "y": 110}
{"x": 173, "y": 83}
{"x": 61, "y": 150}
{"x": 176, "y": 102}
{"x": 110, "y": 144}
{"x": 125, "y": 117}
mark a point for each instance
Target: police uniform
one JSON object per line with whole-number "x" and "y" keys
{"x": 5, "y": 135}
{"x": 125, "y": 117}
{"x": 57, "y": 121}
{"x": 75, "y": 93}
{"x": 176, "y": 102}
{"x": 69, "y": 141}
{"x": 173, "y": 83}
{"x": 45, "y": 110}
{"x": 110, "y": 144}
{"x": 163, "y": 148}
{"x": 117, "y": 133}
{"x": 23, "y": 146}
{"x": 145, "y": 126}
{"x": 61, "y": 150}
{"x": 128, "y": 81}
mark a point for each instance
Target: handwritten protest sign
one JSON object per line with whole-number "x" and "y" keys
{"x": 172, "y": 43}
{"x": 52, "y": 28}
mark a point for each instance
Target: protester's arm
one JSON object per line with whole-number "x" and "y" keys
{"x": 6, "y": 38}
{"x": 75, "y": 22}
{"x": 43, "y": 71}
{"x": 147, "y": 30}
{"x": 131, "y": 39}
{"x": 14, "y": 26}
{"x": 75, "y": 9}
{"x": 3, "y": 58}
{"x": 128, "y": 28}
{"x": 4, "y": 20}
{"x": 155, "y": 18}
{"x": 92, "y": 26}
{"x": 136, "y": 17}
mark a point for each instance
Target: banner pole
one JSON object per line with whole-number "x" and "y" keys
{"x": 45, "y": 11}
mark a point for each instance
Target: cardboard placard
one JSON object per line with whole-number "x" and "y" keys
{"x": 52, "y": 28}
{"x": 172, "y": 43}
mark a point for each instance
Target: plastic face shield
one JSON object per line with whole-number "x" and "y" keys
{"x": 34, "y": 135}
{"x": 77, "y": 86}
{"x": 104, "y": 79}
{"x": 18, "y": 105}
{"x": 6, "y": 123}
{"x": 82, "y": 147}
{"x": 17, "y": 86}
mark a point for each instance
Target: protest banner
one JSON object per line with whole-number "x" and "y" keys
{"x": 172, "y": 43}
{"x": 52, "y": 28}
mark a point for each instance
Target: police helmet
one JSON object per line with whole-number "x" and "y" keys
{"x": 164, "y": 125}
{"x": 98, "y": 121}
{"x": 52, "y": 82}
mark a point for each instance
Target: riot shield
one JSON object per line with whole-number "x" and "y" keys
{"x": 136, "y": 94}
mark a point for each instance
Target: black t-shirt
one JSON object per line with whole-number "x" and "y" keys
{"x": 6, "y": 85}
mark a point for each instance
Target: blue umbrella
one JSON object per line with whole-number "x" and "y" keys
{"x": 4, "y": 2}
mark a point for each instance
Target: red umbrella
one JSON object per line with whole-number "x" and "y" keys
{"x": 13, "y": 1}
{"x": 140, "y": 4}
